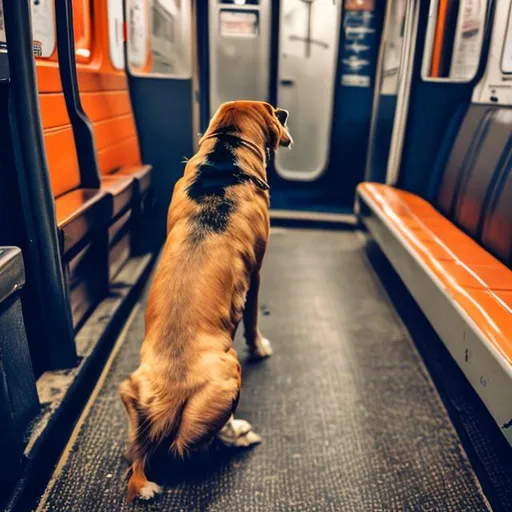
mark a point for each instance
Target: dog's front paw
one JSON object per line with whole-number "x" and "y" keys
{"x": 261, "y": 349}
{"x": 149, "y": 491}
{"x": 238, "y": 434}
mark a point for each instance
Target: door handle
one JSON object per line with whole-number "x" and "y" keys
{"x": 286, "y": 83}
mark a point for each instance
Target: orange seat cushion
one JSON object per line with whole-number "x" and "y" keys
{"x": 122, "y": 189}
{"x": 141, "y": 174}
{"x": 80, "y": 213}
{"x": 479, "y": 283}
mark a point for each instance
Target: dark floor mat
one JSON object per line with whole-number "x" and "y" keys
{"x": 349, "y": 418}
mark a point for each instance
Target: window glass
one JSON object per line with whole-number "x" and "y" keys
{"x": 454, "y": 40}
{"x": 82, "y": 29}
{"x": 159, "y": 37}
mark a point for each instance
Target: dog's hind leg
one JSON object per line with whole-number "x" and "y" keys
{"x": 138, "y": 485}
{"x": 238, "y": 433}
{"x": 259, "y": 347}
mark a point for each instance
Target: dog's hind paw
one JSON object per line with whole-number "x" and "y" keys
{"x": 261, "y": 349}
{"x": 149, "y": 491}
{"x": 238, "y": 434}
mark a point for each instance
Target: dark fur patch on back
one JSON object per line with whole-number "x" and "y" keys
{"x": 209, "y": 187}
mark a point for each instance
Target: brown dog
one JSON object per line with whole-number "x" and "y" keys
{"x": 186, "y": 389}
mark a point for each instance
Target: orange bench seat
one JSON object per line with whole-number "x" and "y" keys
{"x": 478, "y": 282}
{"x": 122, "y": 190}
{"x": 80, "y": 213}
{"x": 141, "y": 174}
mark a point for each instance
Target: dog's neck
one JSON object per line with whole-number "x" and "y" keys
{"x": 263, "y": 153}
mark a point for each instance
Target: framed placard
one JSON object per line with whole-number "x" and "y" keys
{"x": 43, "y": 27}
{"x": 468, "y": 39}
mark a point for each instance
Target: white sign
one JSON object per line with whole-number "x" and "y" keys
{"x": 115, "y": 32}
{"x": 238, "y": 24}
{"x": 468, "y": 39}
{"x": 43, "y": 27}
{"x": 506, "y": 61}
{"x": 356, "y": 80}
{"x": 137, "y": 33}
{"x": 3, "y": 39}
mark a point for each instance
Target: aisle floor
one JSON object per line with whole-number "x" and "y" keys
{"x": 350, "y": 418}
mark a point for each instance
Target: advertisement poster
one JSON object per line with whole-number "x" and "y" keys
{"x": 137, "y": 33}
{"x": 468, "y": 39}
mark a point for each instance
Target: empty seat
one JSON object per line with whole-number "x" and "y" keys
{"x": 105, "y": 99}
{"x": 455, "y": 255}
{"x": 462, "y": 267}
{"x": 82, "y": 214}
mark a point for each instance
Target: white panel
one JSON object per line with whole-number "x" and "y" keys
{"x": 495, "y": 87}
{"x": 308, "y": 52}
{"x": 138, "y": 33}
{"x": 115, "y": 32}
{"x": 43, "y": 27}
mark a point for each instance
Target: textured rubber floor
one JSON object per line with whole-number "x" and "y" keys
{"x": 350, "y": 420}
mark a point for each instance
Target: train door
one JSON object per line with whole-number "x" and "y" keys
{"x": 307, "y": 57}
{"x": 314, "y": 58}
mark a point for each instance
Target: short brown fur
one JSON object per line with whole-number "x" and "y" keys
{"x": 189, "y": 378}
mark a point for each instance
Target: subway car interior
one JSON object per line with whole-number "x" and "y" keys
{"x": 386, "y": 288}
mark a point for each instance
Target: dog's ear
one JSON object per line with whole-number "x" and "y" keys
{"x": 282, "y": 115}
{"x": 280, "y": 134}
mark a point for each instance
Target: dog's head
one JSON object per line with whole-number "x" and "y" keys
{"x": 254, "y": 119}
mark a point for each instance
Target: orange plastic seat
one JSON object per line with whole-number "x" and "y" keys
{"x": 141, "y": 174}
{"x": 479, "y": 283}
{"x": 121, "y": 188}
{"x": 80, "y": 212}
